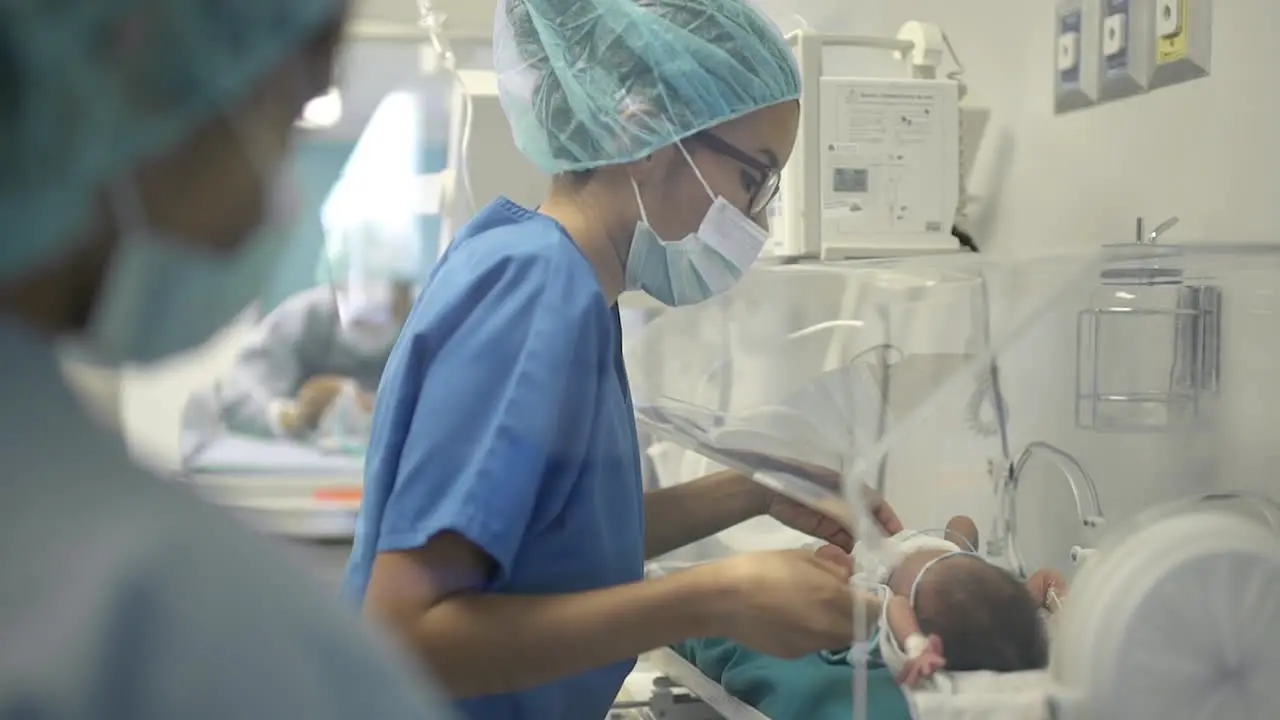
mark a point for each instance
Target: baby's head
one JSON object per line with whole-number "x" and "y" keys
{"x": 985, "y": 617}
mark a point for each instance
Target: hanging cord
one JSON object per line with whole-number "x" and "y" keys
{"x": 990, "y": 385}
{"x": 965, "y": 239}
{"x": 958, "y": 73}
{"x": 432, "y": 21}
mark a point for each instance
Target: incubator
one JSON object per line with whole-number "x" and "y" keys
{"x": 1106, "y": 415}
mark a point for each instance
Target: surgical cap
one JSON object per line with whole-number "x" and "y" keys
{"x": 88, "y": 88}
{"x": 587, "y": 83}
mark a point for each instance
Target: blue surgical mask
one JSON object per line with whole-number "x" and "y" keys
{"x": 701, "y": 265}
{"x": 162, "y": 295}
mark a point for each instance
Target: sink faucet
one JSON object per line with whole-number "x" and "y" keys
{"x": 1150, "y": 238}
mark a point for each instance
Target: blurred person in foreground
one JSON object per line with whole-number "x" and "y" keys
{"x": 140, "y": 147}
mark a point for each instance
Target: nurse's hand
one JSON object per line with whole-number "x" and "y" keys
{"x": 787, "y": 603}
{"x": 831, "y": 527}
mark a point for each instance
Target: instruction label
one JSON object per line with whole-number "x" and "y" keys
{"x": 1173, "y": 49}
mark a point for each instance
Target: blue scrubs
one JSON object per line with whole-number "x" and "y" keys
{"x": 504, "y": 415}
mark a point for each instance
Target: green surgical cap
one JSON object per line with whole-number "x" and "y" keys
{"x": 88, "y": 88}
{"x": 587, "y": 83}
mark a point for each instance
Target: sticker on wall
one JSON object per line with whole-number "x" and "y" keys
{"x": 1183, "y": 41}
{"x": 1171, "y": 45}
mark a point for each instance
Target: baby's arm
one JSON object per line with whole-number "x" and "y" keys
{"x": 924, "y": 654}
{"x": 902, "y": 620}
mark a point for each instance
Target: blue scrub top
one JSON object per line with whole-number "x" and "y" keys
{"x": 504, "y": 415}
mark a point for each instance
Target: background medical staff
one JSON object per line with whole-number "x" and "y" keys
{"x": 319, "y": 342}
{"x": 141, "y": 139}
{"x": 504, "y": 528}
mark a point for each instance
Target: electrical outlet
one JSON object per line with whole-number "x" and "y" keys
{"x": 1074, "y": 80}
{"x": 1182, "y": 32}
{"x": 1115, "y": 34}
{"x": 1124, "y": 47}
{"x": 1168, "y": 18}
{"x": 1069, "y": 53}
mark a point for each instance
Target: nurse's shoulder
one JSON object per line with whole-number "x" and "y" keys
{"x": 521, "y": 253}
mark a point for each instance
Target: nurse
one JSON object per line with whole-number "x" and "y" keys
{"x": 140, "y": 143}
{"x": 504, "y": 528}
{"x": 317, "y": 345}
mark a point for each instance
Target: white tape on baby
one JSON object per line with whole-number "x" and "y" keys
{"x": 915, "y": 645}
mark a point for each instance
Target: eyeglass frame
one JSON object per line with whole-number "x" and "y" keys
{"x": 769, "y": 177}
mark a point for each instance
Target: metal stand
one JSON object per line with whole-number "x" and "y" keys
{"x": 1124, "y": 381}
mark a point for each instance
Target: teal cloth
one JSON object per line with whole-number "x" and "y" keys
{"x": 807, "y": 688}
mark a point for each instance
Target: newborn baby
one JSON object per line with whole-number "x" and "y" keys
{"x": 950, "y": 607}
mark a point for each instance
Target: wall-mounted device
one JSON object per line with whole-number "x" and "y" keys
{"x": 876, "y": 170}
{"x": 1183, "y": 40}
{"x": 1126, "y": 47}
{"x": 1074, "y": 81}
{"x": 1148, "y": 350}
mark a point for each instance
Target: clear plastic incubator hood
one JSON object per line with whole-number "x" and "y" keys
{"x": 1113, "y": 416}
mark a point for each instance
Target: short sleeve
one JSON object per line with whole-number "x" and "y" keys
{"x": 485, "y": 399}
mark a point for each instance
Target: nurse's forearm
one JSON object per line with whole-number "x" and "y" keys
{"x": 686, "y": 513}
{"x": 484, "y": 644}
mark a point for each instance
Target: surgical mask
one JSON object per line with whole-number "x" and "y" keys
{"x": 366, "y": 316}
{"x": 701, "y": 265}
{"x": 163, "y": 295}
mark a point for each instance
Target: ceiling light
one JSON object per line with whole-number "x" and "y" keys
{"x": 322, "y": 112}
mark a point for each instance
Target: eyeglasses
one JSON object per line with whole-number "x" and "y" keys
{"x": 769, "y": 177}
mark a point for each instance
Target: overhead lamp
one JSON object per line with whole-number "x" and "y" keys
{"x": 322, "y": 112}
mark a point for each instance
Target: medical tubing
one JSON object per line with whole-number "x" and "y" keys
{"x": 1001, "y": 410}
{"x": 432, "y": 21}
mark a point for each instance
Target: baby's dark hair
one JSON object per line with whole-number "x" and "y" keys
{"x": 985, "y": 617}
